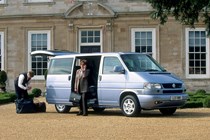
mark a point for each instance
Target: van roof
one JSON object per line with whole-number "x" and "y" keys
{"x": 94, "y": 54}
{"x": 51, "y": 53}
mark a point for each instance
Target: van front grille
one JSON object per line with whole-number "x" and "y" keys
{"x": 172, "y": 91}
{"x": 172, "y": 85}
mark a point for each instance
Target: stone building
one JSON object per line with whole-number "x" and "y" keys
{"x": 98, "y": 26}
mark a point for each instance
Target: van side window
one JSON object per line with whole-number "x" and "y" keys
{"x": 61, "y": 66}
{"x": 109, "y": 64}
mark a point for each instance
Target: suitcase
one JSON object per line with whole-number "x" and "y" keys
{"x": 24, "y": 106}
{"x": 40, "y": 107}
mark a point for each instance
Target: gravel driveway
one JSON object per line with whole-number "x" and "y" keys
{"x": 186, "y": 124}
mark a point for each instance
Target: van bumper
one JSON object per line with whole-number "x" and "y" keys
{"x": 157, "y": 101}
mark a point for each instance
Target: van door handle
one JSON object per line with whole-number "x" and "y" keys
{"x": 69, "y": 78}
{"x": 99, "y": 77}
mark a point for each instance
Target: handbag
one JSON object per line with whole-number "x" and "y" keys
{"x": 75, "y": 97}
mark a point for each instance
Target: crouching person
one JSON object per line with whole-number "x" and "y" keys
{"x": 22, "y": 84}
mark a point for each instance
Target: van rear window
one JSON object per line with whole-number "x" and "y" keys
{"x": 60, "y": 66}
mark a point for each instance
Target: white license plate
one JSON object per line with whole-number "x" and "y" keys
{"x": 176, "y": 97}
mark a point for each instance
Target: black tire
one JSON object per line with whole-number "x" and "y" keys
{"x": 62, "y": 108}
{"x": 130, "y": 106}
{"x": 98, "y": 110}
{"x": 168, "y": 111}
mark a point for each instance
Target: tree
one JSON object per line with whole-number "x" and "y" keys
{"x": 188, "y": 12}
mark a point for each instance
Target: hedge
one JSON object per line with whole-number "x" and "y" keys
{"x": 10, "y": 97}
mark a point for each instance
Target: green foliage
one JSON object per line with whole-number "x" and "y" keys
{"x": 200, "y": 92}
{"x": 10, "y": 97}
{"x": 3, "y": 79}
{"x": 186, "y": 11}
{"x": 199, "y": 99}
{"x": 193, "y": 104}
{"x": 3, "y": 76}
{"x": 206, "y": 102}
{"x": 7, "y": 97}
{"x": 36, "y": 92}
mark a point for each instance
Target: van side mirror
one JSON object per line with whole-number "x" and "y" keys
{"x": 119, "y": 69}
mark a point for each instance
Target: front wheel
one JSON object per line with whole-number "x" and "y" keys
{"x": 130, "y": 106}
{"x": 62, "y": 108}
{"x": 168, "y": 111}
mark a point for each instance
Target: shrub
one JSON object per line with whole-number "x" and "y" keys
{"x": 6, "y": 98}
{"x": 206, "y": 102}
{"x": 36, "y": 92}
{"x": 193, "y": 104}
{"x": 11, "y": 97}
{"x": 200, "y": 92}
{"x": 3, "y": 79}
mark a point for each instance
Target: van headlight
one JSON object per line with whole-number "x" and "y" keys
{"x": 152, "y": 86}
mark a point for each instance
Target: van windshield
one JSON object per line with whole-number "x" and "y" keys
{"x": 141, "y": 63}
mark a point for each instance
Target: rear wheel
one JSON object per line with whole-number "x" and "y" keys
{"x": 62, "y": 108}
{"x": 130, "y": 106}
{"x": 168, "y": 111}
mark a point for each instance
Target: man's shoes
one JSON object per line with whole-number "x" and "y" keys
{"x": 80, "y": 113}
{"x": 85, "y": 114}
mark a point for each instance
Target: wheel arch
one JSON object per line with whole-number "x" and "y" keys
{"x": 126, "y": 94}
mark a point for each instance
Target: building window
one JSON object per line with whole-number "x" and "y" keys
{"x": 2, "y": 1}
{"x": 143, "y": 40}
{"x": 1, "y": 50}
{"x": 197, "y": 53}
{"x": 34, "y": 1}
{"x": 90, "y": 41}
{"x": 38, "y": 40}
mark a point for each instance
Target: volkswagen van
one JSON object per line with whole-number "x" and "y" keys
{"x": 129, "y": 81}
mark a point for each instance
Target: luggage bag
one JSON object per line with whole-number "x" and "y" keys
{"x": 40, "y": 107}
{"x": 24, "y": 106}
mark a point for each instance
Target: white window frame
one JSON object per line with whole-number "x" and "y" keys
{"x": 196, "y": 76}
{"x": 153, "y": 30}
{"x": 2, "y": 51}
{"x": 48, "y": 32}
{"x": 90, "y": 44}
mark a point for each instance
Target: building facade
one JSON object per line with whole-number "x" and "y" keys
{"x": 98, "y": 26}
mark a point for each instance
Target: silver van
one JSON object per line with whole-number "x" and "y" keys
{"x": 130, "y": 81}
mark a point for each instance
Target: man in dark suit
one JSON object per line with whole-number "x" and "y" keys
{"x": 81, "y": 86}
{"x": 22, "y": 84}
